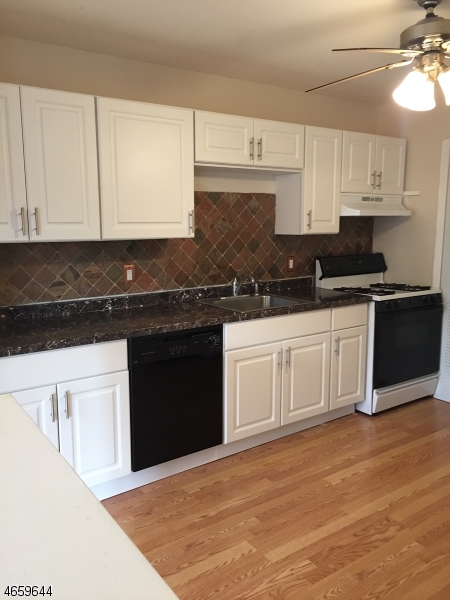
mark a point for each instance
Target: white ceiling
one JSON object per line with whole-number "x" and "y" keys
{"x": 281, "y": 42}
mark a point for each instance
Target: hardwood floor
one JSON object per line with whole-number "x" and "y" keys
{"x": 356, "y": 509}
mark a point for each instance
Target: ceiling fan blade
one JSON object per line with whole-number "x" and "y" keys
{"x": 388, "y": 50}
{"x": 402, "y": 63}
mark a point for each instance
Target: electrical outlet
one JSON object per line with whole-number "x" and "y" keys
{"x": 129, "y": 274}
{"x": 290, "y": 263}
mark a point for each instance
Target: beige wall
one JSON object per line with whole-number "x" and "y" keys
{"x": 44, "y": 65}
{"x": 408, "y": 244}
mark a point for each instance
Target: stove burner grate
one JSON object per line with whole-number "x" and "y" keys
{"x": 370, "y": 291}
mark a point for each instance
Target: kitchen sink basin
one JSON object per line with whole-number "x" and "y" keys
{"x": 249, "y": 303}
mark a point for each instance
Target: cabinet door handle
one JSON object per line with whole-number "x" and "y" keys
{"x": 309, "y": 219}
{"x": 37, "y": 221}
{"x": 337, "y": 349}
{"x": 288, "y": 357}
{"x": 280, "y": 358}
{"x": 54, "y": 407}
{"x": 374, "y": 179}
{"x": 68, "y": 396}
{"x": 252, "y": 148}
{"x": 260, "y": 149}
{"x": 24, "y": 217}
{"x": 379, "y": 179}
{"x": 191, "y": 221}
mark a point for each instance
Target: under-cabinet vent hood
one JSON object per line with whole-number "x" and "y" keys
{"x": 373, "y": 206}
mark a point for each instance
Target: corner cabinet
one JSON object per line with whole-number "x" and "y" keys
{"x": 373, "y": 164}
{"x": 86, "y": 418}
{"x": 146, "y": 170}
{"x": 232, "y": 140}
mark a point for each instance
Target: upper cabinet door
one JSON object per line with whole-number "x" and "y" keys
{"x": 224, "y": 139}
{"x": 322, "y": 180}
{"x": 59, "y": 137}
{"x": 279, "y": 144}
{"x": 358, "y": 162}
{"x": 13, "y": 202}
{"x": 390, "y": 165}
{"x": 146, "y": 170}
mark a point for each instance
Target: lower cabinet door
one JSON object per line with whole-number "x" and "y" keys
{"x": 252, "y": 390}
{"x": 348, "y": 366}
{"x": 41, "y": 405}
{"x": 306, "y": 376}
{"x": 94, "y": 420}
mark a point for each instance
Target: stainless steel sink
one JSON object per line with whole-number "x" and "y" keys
{"x": 249, "y": 303}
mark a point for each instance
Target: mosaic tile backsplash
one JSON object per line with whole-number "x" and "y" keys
{"x": 233, "y": 231}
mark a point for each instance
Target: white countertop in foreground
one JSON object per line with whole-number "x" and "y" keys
{"x": 53, "y": 531}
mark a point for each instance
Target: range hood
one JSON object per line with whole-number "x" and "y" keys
{"x": 373, "y": 206}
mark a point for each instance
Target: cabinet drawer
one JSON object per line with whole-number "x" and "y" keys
{"x": 265, "y": 331}
{"x": 55, "y": 366}
{"x": 349, "y": 316}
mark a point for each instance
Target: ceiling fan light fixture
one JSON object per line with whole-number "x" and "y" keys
{"x": 444, "y": 81}
{"x": 416, "y": 92}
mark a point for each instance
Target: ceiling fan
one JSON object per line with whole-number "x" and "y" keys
{"x": 425, "y": 44}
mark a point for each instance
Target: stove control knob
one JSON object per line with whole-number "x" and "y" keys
{"x": 389, "y": 305}
{"x": 413, "y": 302}
{"x": 397, "y": 303}
{"x": 432, "y": 299}
{"x": 428, "y": 299}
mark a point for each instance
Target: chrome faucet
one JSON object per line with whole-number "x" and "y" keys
{"x": 239, "y": 281}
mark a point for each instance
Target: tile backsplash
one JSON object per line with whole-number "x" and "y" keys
{"x": 233, "y": 231}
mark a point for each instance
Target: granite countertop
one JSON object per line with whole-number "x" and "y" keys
{"x": 67, "y": 324}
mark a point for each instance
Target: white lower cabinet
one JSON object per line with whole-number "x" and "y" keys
{"x": 306, "y": 376}
{"x": 86, "y": 418}
{"x": 349, "y": 350}
{"x": 348, "y": 366}
{"x": 41, "y": 406}
{"x": 253, "y": 381}
{"x": 273, "y": 378}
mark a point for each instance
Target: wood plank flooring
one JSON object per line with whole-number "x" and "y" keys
{"x": 356, "y": 509}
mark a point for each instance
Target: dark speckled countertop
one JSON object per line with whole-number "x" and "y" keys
{"x": 67, "y": 324}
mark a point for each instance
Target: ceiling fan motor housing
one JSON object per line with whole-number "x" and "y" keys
{"x": 426, "y": 4}
{"x": 428, "y": 34}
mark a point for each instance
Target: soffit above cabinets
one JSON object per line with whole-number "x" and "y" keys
{"x": 285, "y": 43}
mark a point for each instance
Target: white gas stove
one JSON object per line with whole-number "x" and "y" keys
{"x": 404, "y": 329}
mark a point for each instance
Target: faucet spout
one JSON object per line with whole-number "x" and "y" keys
{"x": 239, "y": 281}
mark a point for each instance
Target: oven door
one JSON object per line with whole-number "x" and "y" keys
{"x": 407, "y": 345}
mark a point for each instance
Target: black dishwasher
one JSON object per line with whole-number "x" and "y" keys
{"x": 175, "y": 394}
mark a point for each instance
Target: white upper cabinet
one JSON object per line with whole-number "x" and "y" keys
{"x": 232, "y": 140}
{"x": 372, "y": 164}
{"x": 279, "y": 144}
{"x": 59, "y": 137}
{"x": 146, "y": 170}
{"x": 224, "y": 139}
{"x": 309, "y": 202}
{"x": 390, "y": 165}
{"x": 13, "y": 201}
{"x": 322, "y": 181}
